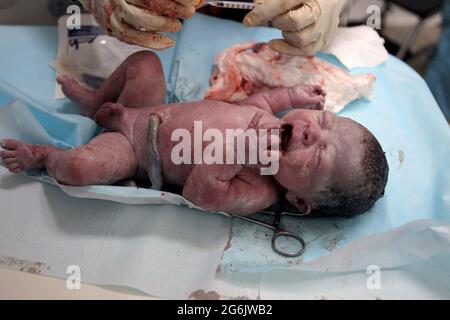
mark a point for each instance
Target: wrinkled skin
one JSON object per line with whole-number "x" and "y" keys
{"x": 123, "y": 105}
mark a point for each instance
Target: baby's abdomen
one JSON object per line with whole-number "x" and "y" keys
{"x": 186, "y": 124}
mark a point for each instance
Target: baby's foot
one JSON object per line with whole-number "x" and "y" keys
{"x": 18, "y": 156}
{"x": 84, "y": 98}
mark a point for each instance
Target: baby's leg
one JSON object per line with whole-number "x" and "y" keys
{"x": 137, "y": 82}
{"x": 105, "y": 160}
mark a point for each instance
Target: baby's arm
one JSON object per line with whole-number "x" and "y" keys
{"x": 281, "y": 99}
{"x": 229, "y": 188}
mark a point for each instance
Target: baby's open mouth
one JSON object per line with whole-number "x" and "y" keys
{"x": 285, "y": 136}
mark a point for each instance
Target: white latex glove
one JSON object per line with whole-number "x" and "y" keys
{"x": 140, "y": 21}
{"x": 308, "y": 25}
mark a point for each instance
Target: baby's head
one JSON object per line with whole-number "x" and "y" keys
{"x": 330, "y": 165}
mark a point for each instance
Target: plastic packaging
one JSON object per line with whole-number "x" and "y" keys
{"x": 88, "y": 54}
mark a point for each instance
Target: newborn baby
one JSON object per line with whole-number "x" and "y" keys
{"x": 327, "y": 164}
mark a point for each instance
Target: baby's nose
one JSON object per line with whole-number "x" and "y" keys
{"x": 310, "y": 136}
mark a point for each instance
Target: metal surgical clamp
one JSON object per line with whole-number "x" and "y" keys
{"x": 279, "y": 232}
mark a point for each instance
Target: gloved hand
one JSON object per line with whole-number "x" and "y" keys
{"x": 140, "y": 21}
{"x": 308, "y": 25}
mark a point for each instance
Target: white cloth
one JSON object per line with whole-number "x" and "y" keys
{"x": 357, "y": 47}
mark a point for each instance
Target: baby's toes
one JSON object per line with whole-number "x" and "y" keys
{"x": 9, "y": 157}
{"x": 9, "y": 161}
{"x": 65, "y": 80}
{"x": 15, "y": 167}
{"x": 72, "y": 89}
{"x": 7, "y": 154}
{"x": 9, "y": 144}
{"x": 62, "y": 80}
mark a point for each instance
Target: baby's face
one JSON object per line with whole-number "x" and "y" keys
{"x": 317, "y": 149}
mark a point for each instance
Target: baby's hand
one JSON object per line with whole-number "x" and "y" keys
{"x": 281, "y": 99}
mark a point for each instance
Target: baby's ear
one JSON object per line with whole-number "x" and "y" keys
{"x": 304, "y": 206}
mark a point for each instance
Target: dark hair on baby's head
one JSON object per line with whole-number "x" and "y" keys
{"x": 362, "y": 195}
